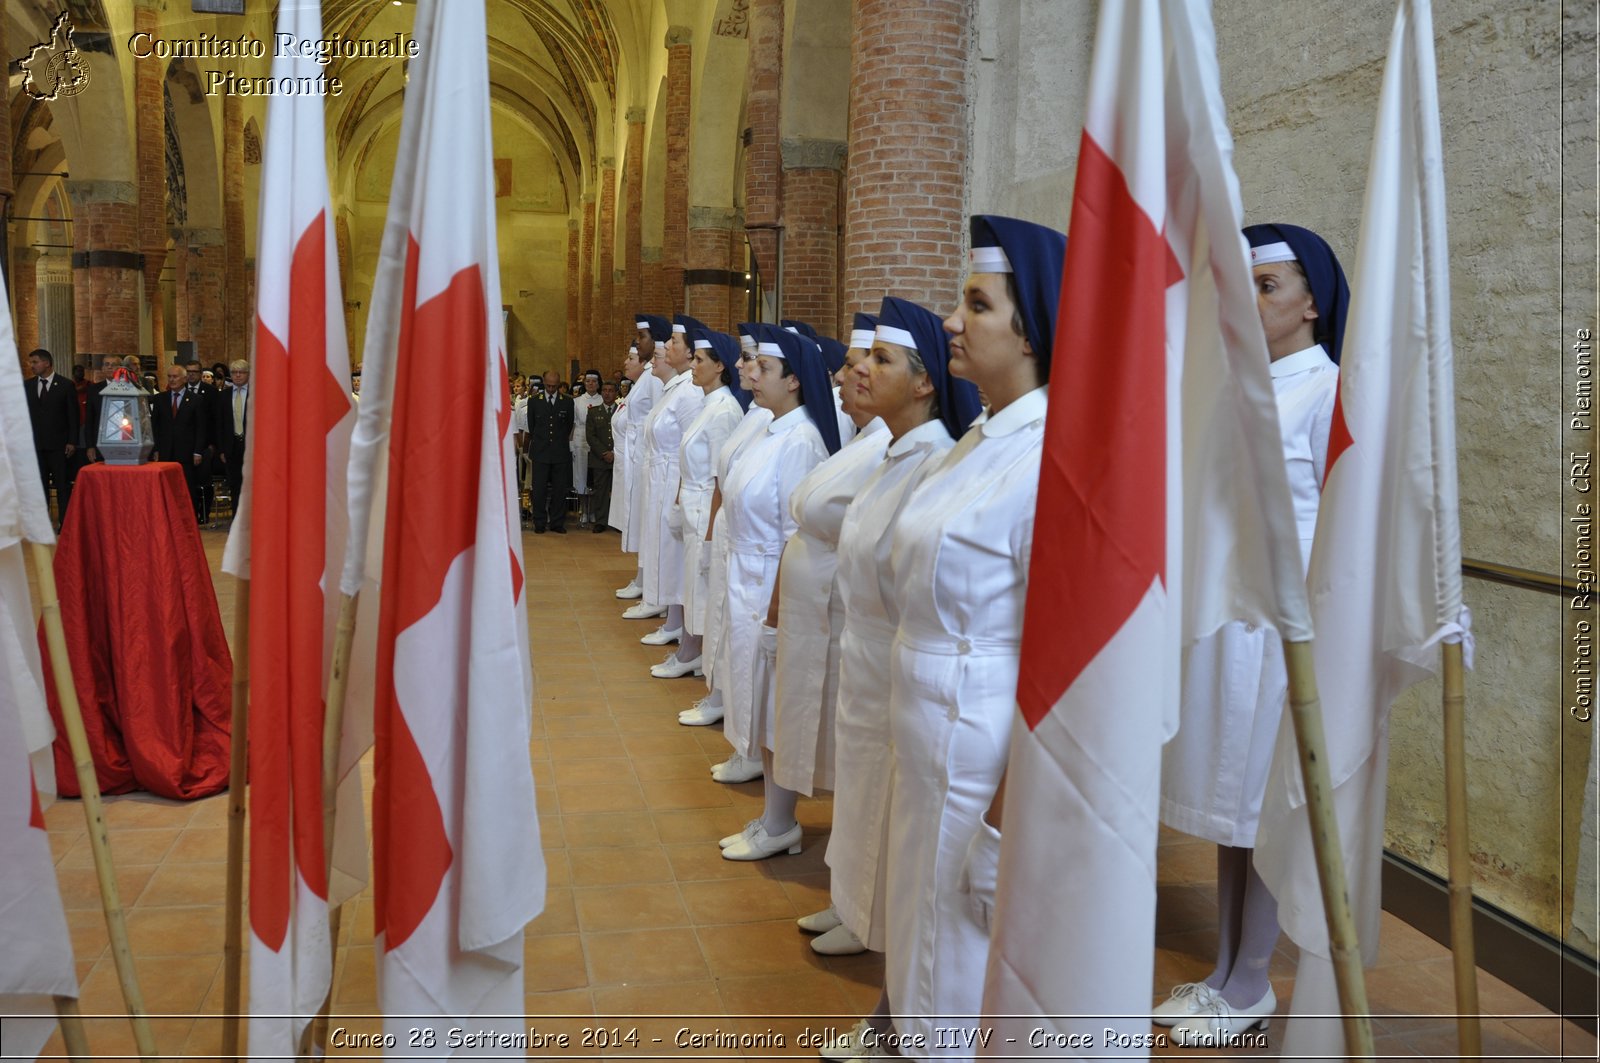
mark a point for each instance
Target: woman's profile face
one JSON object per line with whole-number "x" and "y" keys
{"x": 1283, "y": 299}
{"x": 707, "y": 369}
{"x": 983, "y": 342}
{"x": 679, "y": 352}
{"x": 747, "y": 370}
{"x": 885, "y": 382}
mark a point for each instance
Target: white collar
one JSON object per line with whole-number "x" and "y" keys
{"x": 1023, "y": 411}
{"x": 929, "y": 431}
{"x": 1313, "y": 357}
{"x": 873, "y": 427}
{"x": 46, "y": 380}
{"x": 679, "y": 379}
{"x": 788, "y": 421}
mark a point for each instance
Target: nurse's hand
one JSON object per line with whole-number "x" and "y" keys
{"x": 980, "y": 872}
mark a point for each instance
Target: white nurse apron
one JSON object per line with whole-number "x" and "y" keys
{"x": 811, "y": 616}
{"x": 750, "y": 429}
{"x": 697, "y": 473}
{"x": 857, "y": 849}
{"x": 642, "y": 397}
{"x": 581, "y": 405}
{"x": 961, "y": 550}
{"x": 661, "y": 548}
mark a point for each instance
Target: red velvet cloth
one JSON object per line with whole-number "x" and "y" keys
{"x": 148, "y": 652}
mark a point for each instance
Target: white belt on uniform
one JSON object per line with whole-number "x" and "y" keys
{"x": 948, "y": 645}
{"x": 758, "y": 548}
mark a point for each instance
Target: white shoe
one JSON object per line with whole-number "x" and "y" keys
{"x": 1221, "y": 1023}
{"x": 673, "y": 668}
{"x": 749, "y": 829}
{"x": 760, "y": 845}
{"x": 631, "y": 591}
{"x": 846, "y": 1046}
{"x": 1190, "y": 998}
{"x": 820, "y": 922}
{"x": 737, "y": 769}
{"x": 840, "y": 941}
{"x": 661, "y": 636}
{"x": 701, "y": 714}
{"x": 644, "y": 611}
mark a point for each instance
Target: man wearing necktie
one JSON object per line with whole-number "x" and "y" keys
{"x": 550, "y": 420}
{"x": 233, "y": 416}
{"x": 178, "y": 420}
{"x": 53, "y": 412}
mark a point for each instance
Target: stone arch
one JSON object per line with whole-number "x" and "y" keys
{"x": 192, "y": 128}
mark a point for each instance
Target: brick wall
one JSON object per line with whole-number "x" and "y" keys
{"x": 675, "y": 230}
{"x": 236, "y": 302}
{"x": 108, "y": 322}
{"x": 605, "y": 335}
{"x": 150, "y": 157}
{"x": 586, "y": 293}
{"x": 633, "y": 232}
{"x": 905, "y": 181}
{"x": 811, "y": 247}
{"x": 763, "y": 175}
{"x": 25, "y": 292}
{"x": 709, "y": 250}
{"x": 655, "y": 283}
{"x": 204, "y": 277}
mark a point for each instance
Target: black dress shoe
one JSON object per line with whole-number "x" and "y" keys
{"x": 562, "y": 530}
{"x": 598, "y": 528}
{"x": 538, "y": 529}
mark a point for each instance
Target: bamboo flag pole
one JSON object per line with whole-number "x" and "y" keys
{"x": 72, "y": 1036}
{"x": 332, "y": 738}
{"x": 232, "y": 942}
{"x": 1468, "y": 1030}
{"x": 1305, "y": 705}
{"x": 89, "y": 790}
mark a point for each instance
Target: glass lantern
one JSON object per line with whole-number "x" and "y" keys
{"x": 123, "y": 435}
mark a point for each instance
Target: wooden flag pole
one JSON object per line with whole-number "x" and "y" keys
{"x": 1305, "y": 706}
{"x": 70, "y": 1020}
{"x": 89, "y": 789}
{"x": 1468, "y": 1030}
{"x": 332, "y": 737}
{"x": 232, "y": 942}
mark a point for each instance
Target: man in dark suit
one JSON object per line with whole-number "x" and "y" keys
{"x": 233, "y": 417}
{"x": 597, "y": 433}
{"x": 550, "y": 420}
{"x": 53, "y": 411}
{"x": 180, "y": 419}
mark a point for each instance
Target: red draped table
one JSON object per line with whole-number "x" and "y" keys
{"x": 148, "y": 652}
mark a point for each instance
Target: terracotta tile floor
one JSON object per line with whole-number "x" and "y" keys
{"x": 643, "y": 918}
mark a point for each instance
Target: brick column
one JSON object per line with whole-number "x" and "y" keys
{"x": 707, "y": 279}
{"x": 574, "y": 288}
{"x": 633, "y": 233}
{"x": 810, "y": 282}
{"x": 106, "y": 265}
{"x": 236, "y": 286}
{"x": 656, "y": 300}
{"x": 201, "y": 303}
{"x": 675, "y": 227}
{"x": 25, "y": 293}
{"x": 763, "y": 195}
{"x": 610, "y": 328}
{"x": 586, "y": 290}
{"x": 908, "y": 148}
{"x": 150, "y": 122}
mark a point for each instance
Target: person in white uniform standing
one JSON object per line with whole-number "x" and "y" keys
{"x": 661, "y": 550}
{"x": 792, "y": 382}
{"x": 1214, "y": 771}
{"x": 808, "y": 621}
{"x": 960, "y": 559}
{"x": 621, "y": 429}
{"x": 714, "y": 370}
{"x": 642, "y": 397}
{"x": 905, "y": 380}
{"x": 714, "y": 552}
{"x": 582, "y": 403}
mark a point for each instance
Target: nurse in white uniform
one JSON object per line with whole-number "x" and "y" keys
{"x": 714, "y": 555}
{"x": 833, "y": 353}
{"x": 792, "y": 382}
{"x": 960, "y": 557}
{"x": 906, "y": 381}
{"x": 714, "y": 370}
{"x": 809, "y": 619}
{"x": 642, "y": 397}
{"x": 1214, "y": 772}
{"x": 581, "y": 405}
{"x": 621, "y": 428}
{"x": 661, "y": 551}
